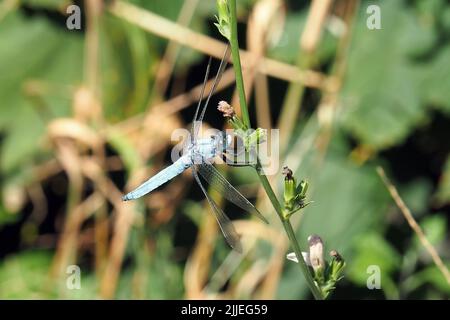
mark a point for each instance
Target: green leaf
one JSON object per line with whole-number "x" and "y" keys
{"x": 54, "y": 64}
{"x": 435, "y": 228}
{"x": 24, "y": 276}
{"x": 431, "y": 275}
{"x": 348, "y": 201}
{"x": 416, "y": 195}
{"x": 381, "y": 94}
{"x": 48, "y": 4}
{"x": 446, "y": 18}
{"x": 6, "y": 217}
{"x": 372, "y": 249}
{"x": 443, "y": 192}
{"x": 287, "y": 47}
{"x": 436, "y": 82}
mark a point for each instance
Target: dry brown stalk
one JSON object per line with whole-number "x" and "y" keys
{"x": 172, "y": 31}
{"x": 414, "y": 225}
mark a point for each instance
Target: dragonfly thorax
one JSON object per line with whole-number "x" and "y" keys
{"x": 205, "y": 149}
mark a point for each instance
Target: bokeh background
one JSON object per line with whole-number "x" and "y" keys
{"x": 86, "y": 115}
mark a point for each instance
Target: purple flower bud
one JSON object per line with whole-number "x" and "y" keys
{"x": 316, "y": 252}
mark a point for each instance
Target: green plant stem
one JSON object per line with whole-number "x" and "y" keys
{"x": 262, "y": 177}
{"x": 301, "y": 262}
{"x": 290, "y": 233}
{"x": 237, "y": 64}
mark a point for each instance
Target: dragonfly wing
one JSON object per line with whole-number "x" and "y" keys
{"x": 157, "y": 180}
{"x": 194, "y": 122}
{"x": 222, "y": 66}
{"x": 198, "y": 117}
{"x": 224, "y": 222}
{"x": 218, "y": 182}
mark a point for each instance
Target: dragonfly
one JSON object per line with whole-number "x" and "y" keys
{"x": 198, "y": 156}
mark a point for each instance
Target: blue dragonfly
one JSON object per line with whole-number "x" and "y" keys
{"x": 198, "y": 155}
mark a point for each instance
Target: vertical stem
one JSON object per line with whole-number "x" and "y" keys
{"x": 262, "y": 177}
{"x": 301, "y": 262}
{"x": 237, "y": 64}
{"x": 291, "y": 235}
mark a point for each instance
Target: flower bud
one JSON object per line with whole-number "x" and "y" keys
{"x": 229, "y": 113}
{"x": 302, "y": 188}
{"x": 226, "y": 109}
{"x": 316, "y": 252}
{"x": 335, "y": 255}
{"x": 223, "y": 19}
{"x": 337, "y": 265}
{"x": 289, "y": 188}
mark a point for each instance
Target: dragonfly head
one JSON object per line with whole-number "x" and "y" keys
{"x": 219, "y": 142}
{"x": 228, "y": 143}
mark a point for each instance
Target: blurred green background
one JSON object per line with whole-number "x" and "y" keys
{"x": 87, "y": 114}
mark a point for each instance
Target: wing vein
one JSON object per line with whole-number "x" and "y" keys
{"x": 224, "y": 222}
{"x": 220, "y": 184}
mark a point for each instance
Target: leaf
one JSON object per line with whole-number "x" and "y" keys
{"x": 136, "y": 40}
{"x": 287, "y": 47}
{"x": 372, "y": 249}
{"x": 381, "y": 95}
{"x": 348, "y": 201}
{"x": 48, "y": 4}
{"x": 6, "y": 217}
{"x": 416, "y": 194}
{"x": 24, "y": 276}
{"x": 443, "y": 192}
{"x": 24, "y": 37}
{"x": 431, "y": 275}
{"x": 436, "y": 82}
{"x": 435, "y": 228}
{"x": 446, "y": 18}
{"x": 163, "y": 278}
{"x": 54, "y": 64}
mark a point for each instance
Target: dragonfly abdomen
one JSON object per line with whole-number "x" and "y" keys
{"x": 159, "y": 179}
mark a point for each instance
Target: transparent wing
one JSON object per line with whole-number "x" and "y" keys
{"x": 224, "y": 222}
{"x": 222, "y": 66}
{"x": 194, "y": 121}
{"x": 218, "y": 182}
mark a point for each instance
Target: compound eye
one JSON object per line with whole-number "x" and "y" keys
{"x": 235, "y": 145}
{"x": 229, "y": 139}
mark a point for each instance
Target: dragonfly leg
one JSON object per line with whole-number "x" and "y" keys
{"x": 231, "y": 163}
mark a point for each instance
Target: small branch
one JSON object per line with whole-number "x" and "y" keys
{"x": 309, "y": 40}
{"x": 167, "y": 63}
{"x": 413, "y": 224}
{"x": 315, "y": 23}
{"x": 170, "y": 30}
